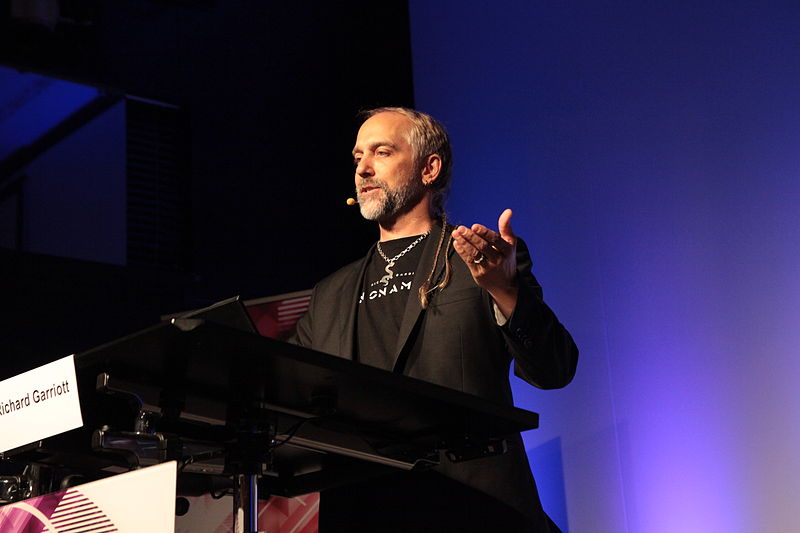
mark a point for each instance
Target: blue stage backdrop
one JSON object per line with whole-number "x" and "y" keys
{"x": 650, "y": 154}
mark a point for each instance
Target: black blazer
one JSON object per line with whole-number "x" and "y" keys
{"x": 457, "y": 343}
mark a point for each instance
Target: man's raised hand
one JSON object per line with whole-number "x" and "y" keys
{"x": 492, "y": 259}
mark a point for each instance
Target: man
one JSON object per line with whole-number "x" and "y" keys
{"x": 450, "y": 305}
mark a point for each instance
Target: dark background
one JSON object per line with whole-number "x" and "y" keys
{"x": 269, "y": 94}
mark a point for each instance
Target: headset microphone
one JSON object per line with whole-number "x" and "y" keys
{"x": 352, "y": 201}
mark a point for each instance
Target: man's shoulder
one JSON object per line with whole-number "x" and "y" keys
{"x": 344, "y": 276}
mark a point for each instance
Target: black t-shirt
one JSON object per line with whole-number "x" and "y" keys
{"x": 385, "y": 291}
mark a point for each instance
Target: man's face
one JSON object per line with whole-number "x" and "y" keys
{"x": 387, "y": 180}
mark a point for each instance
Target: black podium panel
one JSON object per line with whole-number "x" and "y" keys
{"x": 225, "y": 401}
{"x": 262, "y": 414}
{"x": 224, "y": 365}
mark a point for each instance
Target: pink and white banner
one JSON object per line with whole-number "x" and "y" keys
{"x": 276, "y": 515}
{"x": 134, "y": 502}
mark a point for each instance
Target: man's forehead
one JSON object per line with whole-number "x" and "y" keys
{"x": 387, "y": 127}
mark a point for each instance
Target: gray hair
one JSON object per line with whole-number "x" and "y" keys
{"x": 427, "y": 136}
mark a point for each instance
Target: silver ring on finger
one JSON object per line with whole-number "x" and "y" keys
{"x": 479, "y": 258}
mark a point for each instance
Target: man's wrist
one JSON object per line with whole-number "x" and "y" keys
{"x": 504, "y": 302}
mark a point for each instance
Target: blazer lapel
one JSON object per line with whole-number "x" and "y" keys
{"x": 413, "y": 309}
{"x": 348, "y": 336}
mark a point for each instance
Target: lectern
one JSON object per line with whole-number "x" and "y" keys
{"x": 270, "y": 416}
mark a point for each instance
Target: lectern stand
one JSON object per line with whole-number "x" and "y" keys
{"x": 269, "y": 415}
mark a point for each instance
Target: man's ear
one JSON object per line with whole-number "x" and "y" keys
{"x": 431, "y": 168}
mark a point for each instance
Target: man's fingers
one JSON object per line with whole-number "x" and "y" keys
{"x": 471, "y": 242}
{"x": 485, "y": 233}
{"x": 494, "y": 239}
{"x": 465, "y": 249}
{"x": 473, "y": 246}
{"x": 478, "y": 241}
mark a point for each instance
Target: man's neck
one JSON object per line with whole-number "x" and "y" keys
{"x": 412, "y": 223}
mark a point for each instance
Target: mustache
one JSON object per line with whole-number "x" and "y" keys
{"x": 377, "y": 183}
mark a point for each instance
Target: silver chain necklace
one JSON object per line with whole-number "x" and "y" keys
{"x": 391, "y": 262}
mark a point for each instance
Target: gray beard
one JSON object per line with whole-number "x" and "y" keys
{"x": 391, "y": 203}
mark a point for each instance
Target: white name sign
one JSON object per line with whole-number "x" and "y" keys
{"x": 39, "y": 403}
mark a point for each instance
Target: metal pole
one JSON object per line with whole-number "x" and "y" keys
{"x": 245, "y": 503}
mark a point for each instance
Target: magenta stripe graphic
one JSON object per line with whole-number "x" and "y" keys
{"x": 88, "y": 527}
{"x": 60, "y": 510}
{"x": 91, "y": 517}
{"x": 99, "y": 529}
{"x": 86, "y": 512}
{"x": 77, "y": 514}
